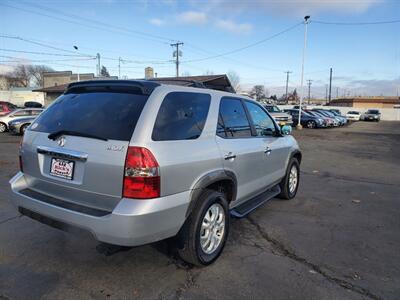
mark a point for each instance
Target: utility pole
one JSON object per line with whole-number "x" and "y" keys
{"x": 337, "y": 92}
{"x": 76, "y": 48}
{"x": 302, "y": 70}
{"x": 119, "y": 67}
{"x": 287, "y": 84}
{"x": 98, "y": 64}
{"x": 330, "y": 86}
{"x": 326, "y": 94}
{"x": 309, "y": 90}
{"x": 176, "y": 54}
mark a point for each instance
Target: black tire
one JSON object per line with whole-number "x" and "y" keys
{"x": 23, "y": 128}
{"x": 284, "y": 184}
{"x": 311, "y": 124}
{"x": 3, "y": 127}
{"x": 189, "y": 248}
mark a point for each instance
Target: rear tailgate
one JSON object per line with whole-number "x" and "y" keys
{"x": 75, "y": 151}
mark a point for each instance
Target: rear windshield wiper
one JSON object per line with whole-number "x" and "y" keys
{"x": 54, "y": 135}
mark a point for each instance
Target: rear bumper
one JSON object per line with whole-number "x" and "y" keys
{"x": 131, "y": 223}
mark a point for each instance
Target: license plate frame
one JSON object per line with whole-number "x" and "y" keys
{"x": 57, "y": 165}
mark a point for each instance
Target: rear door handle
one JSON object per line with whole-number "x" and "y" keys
{"x": 268, "y": 150}
{"x": 230, "y": 155}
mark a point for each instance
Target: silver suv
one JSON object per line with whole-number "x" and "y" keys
{"x": 134, "y": 162}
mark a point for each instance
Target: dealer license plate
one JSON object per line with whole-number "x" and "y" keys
{"x": 62, "y": 168}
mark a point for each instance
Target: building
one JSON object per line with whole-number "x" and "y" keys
{"x": 55, "y": 83}
{"x": 148, "y": 72}
{"x": 216, "y": 82}
{"x": 20, "y": 95}
{"x": 367, "y": 102}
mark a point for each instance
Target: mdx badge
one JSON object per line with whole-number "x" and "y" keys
{"x": 115, "y": 148}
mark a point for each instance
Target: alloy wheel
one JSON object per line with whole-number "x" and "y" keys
{"x": 212, "y": 228}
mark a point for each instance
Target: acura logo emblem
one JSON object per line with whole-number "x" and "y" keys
{"x": 61, "y": 141}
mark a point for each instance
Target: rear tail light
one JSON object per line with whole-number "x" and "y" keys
{"x": 21, "y": 167}
{"x": 141, "y": 174}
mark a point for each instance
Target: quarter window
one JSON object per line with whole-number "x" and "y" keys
{"x": 262, "y": 122}
{"x": 182, "y": 116}
{"x": 232, "y": 121}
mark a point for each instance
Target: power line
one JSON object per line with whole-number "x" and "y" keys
{"x": 356, "y": 23}
{"x": 248, "y": 46}
{"x": 103, "y": 28}
{"x": 141, "y": 33}
{"x": 39, "y": 53}
{"x": 42, "y": 44}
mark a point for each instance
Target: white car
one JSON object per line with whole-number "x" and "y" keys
{"x": 353, "y": 115}
{"x": 17, "y": 114}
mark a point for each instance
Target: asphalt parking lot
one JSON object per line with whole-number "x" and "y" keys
{"x": 338, "y": 239}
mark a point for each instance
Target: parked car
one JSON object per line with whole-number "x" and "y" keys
{"x": 306, "y": 119}
{"x": 165, "y": 161}
{"x": 16, "y": 114}
{"x": 6, "y": 107}
{"x": 353, "y": 115}
{"x": 19, "y": 125}
{"x": 371, "y": 115}
{"x": 328, "y": 122}
{"x": 280, "y": 117}
{"x": 342, "y": 119}
{"x": 32, "y": 104}
{"x": 336, "y": 120}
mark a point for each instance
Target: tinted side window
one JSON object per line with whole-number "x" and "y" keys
{"x": 232, "y": 121}
{"x": 182, "y": 116}
{"x": 261, "y": 120}
{"x": 1, "y": 108}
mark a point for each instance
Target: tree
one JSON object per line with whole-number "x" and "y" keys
{"x": 36, "y": 73}
{"x": 21, "y": 76}
{"x": 28, "y": 75}
{"x": 104, "y": 72}
{"x": 234, "y": 79}
{"x": 258, "y": 92}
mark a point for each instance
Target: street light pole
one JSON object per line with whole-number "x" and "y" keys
{"x": 77, "y": 65}
{"x": 302, "y": 70}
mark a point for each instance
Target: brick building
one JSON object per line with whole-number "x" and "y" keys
{"x": 367, "y": 102}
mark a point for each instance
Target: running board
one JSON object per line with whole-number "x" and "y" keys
{"x": 250, "y": 205}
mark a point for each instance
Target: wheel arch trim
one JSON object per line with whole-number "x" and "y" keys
{"x": 207, "y": 180}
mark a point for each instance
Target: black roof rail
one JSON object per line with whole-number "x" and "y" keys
{"x": 193, "y": 83}
{"x": 146, "y": 86}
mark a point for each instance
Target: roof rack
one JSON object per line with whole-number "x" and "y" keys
{"x": 192, "y": 83}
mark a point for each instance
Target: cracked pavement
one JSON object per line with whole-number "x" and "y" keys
{"x": 338, "y": 239}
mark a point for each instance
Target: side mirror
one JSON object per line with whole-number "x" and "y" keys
{"x": 286, "y": 129}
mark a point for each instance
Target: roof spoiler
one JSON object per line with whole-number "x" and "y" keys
{"x": 146, "y": 87}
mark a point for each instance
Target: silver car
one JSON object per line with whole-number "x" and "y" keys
{"x": 18, "y": 114}
{"x": 134, "y": 162}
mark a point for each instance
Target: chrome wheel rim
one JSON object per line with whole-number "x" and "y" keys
{"x": 293, "y": 179}
{"x": 2, "y": 127}
{"x": 212, "y": 228}
{"x": 310, "y": 125}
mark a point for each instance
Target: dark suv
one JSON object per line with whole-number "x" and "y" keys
{"x": 306, "y": 120}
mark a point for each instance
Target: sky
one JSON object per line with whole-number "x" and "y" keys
{"x": 256, "y": 39}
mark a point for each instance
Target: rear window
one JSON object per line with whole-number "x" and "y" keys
{"x": 182, "y": 116}
{"x": 111, "y": 115}
{"x": 373, "y": 111}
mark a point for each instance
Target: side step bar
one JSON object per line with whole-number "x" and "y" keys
{"x": 243, "y": 209}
